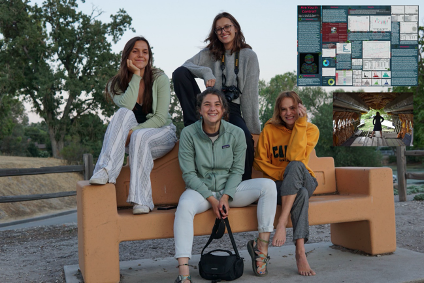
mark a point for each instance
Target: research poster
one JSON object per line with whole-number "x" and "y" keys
{"x": 359, "y": 46}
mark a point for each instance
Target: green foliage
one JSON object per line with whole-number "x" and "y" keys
{"x": 13, "y": 121}
{"x": 176, "y": 111}
{"x": 59, "y": 59}
{"x": 356, "y": 156}
{"x": 415, "y": 189}
{"x": 411, "y": 189}
{"x": 11, "y": 113}
{"x": 269, "y": 92}
{"x": 33, "y": 150}
{"x": 323, "y": 120}
{"x": 392, "y": 158}
{"x": 74, "y": 151}
{"x": 89, "y": 130}
{"x": 419, "y": 197}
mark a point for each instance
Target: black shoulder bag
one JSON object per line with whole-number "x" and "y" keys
{"x": 221, "y": 267}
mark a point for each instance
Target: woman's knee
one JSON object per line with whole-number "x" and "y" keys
{"x": 185, "y": 208}
{"x": 293, "y": 165}
{"x": 269, "y": 187}
{"x": 180, "y": 73}
{"x": 139, "y": 137}
{"x": 303, "y": 193}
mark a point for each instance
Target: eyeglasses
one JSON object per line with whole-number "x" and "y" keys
{"x": 225, "y": 28}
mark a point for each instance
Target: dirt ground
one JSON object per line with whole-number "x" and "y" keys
{"x": 35, "y": 184}
{"x": 39, "y": 254}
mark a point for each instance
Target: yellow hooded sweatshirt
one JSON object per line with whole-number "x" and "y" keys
{"x": 277, "y": 146}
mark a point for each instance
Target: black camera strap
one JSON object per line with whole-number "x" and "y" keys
{"x": 215, "y": 229}
{"x": 236, "y": 69}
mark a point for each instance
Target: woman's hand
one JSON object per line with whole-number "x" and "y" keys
{"x": 128, "y": 138}
{"x": 210, "y": 83}
{"x": 301, "y": 110}
{"x": 133, "y": 69}
{"x": 215, "y": 205}
{"x": 223, "y": 202}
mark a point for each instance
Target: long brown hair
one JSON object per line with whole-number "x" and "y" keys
{"x": 216, "y": 47}
{"x": 276, "y": 119}
{"x": 122, "y": 79}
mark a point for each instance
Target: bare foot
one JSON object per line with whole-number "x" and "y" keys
{"x": 279, "y": 236}
{"x": 303, "y": 265}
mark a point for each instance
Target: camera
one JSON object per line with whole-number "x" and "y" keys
{"x": 231, "y": 92}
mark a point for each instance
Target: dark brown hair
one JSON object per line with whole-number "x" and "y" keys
{"x": 216, "y": 47}
{"x": 122, "y": 79}
{"x": 276, "y": 119}
{"x": 222, "y": 99}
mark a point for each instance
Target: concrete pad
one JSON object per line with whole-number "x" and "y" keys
{"x": 331, "y": 265}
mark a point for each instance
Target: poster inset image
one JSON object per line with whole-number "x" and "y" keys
{"x": 308, "y": 63}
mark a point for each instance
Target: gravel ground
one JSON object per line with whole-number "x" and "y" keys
{"x": 39, "y": 254}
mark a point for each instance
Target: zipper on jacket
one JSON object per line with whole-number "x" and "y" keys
{"x": 213, "y": 165}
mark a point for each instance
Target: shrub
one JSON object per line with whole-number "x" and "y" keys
{"x": 419, "y": 197}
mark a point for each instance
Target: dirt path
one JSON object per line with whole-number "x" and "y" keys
{"x": 39, "y": 254}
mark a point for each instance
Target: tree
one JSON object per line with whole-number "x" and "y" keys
{"x": 324, "y": 121}
{"x": 269, "y": 92}
{"x": 59, "y": 60}
{"x": 12, "y": 120}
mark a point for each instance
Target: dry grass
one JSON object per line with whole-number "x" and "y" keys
{"x": 35, "y": 184}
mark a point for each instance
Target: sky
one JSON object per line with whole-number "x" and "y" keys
{"x": 177, "y": 29}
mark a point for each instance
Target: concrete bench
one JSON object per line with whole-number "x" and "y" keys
{"x": 357, "y": 202}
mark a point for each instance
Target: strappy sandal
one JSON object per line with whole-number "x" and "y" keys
{"x": 182, "y": 278}
{"x": 258, "y": 256}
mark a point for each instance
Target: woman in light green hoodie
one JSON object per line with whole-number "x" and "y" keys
{"x": 212, "y": 156}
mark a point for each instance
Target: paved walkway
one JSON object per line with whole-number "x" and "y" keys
{"x": 331, "y": 265}
{"x": 69, "y": 216}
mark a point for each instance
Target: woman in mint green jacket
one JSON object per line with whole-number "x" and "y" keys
{"x": 212, "y": 157}
{"x": 142, "y": 124}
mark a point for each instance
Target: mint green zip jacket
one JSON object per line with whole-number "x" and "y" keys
{"x": 160, "y": 106}
{"x": 211, "y": 167}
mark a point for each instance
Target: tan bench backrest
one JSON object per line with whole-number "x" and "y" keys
{"x": 168, "y": 185}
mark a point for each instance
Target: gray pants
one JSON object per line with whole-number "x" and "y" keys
{"x": 297, "y": 181}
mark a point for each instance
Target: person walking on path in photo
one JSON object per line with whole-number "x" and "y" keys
{"x": 377, "y": 124}
{"x": 211, "y": 156}
{"x": 282, "y": 154}
{"x": 142, "y": 123}
{"x": 229, "y": 64}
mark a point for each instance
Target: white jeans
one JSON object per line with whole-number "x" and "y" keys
{"x": 145, "y": 146}
{"x": 191, "y": 202}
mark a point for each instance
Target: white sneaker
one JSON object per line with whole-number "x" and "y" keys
{"x": 140, "y": 209}
{"x": 100, "y": 178}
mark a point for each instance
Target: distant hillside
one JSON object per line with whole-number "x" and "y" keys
{"x": 35, "y": 184}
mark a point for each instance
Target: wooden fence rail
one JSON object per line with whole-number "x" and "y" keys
{"x": 401, "y": 154}
{"x": 7, "y": 199}
{"x": 87, "y": 170}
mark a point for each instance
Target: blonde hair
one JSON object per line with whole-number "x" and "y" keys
{"x": 276, "y": 119}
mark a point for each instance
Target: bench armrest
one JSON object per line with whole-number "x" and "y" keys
{"x": 364, "y": 180}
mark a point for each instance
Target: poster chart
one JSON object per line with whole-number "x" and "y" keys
{"x": 360, "y": 46}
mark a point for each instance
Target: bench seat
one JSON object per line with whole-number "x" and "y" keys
{"x": 357, "y": 202}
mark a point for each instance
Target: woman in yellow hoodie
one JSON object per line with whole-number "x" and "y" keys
{"x": 282, "y": 154}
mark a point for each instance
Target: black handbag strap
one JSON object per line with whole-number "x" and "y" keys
{"x": 236, "y": 68}
{"x": 215, "y": 229}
